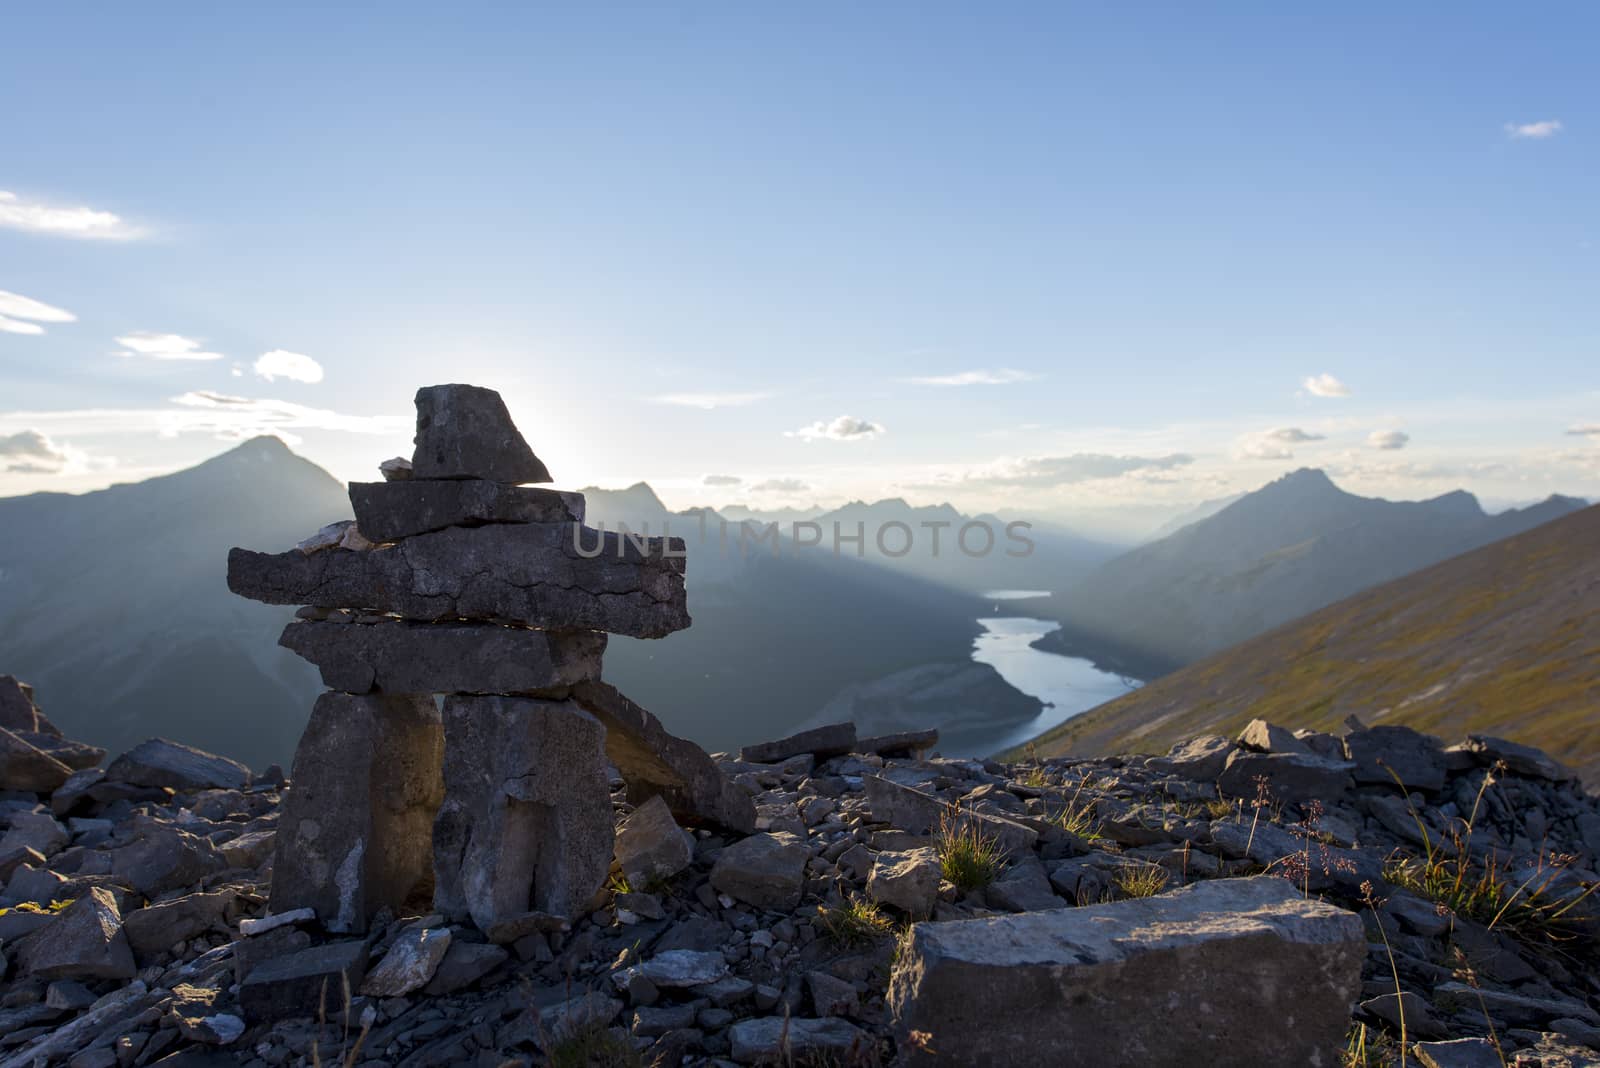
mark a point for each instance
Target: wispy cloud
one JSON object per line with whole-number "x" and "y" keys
{"x": 291, "y": 365}
{"x": 1325, "y": 385}
{"x": 780, "y": 485}
{"x": 153, "y": 346}
{"x": 30, "y": 452}
{"x": 1533, "y": 131}
{"x": 709, "y": 401}
{"x": 844, "y": 428}
{"x": 1045, "y": 472}
{"x": 221, "y": 415}
{"x": 1003, "y": 376}
{"x": 722, "y": 480}
{"x": 1275, "y": 444}
{"x": 1388, "y": 439}
{"x": 61, "y": 220}
{"x": 1586, "y": 430}
{"x": 22, "y": 315}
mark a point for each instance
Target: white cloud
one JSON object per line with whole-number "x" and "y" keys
{"x": 709, "y": 401}
{"x": 1388, "y": 439}
{"x": 37, "y": 217}
{"x": 1045, "y": 472}
{"x": 30, "y": 452}
{"x": 1000, "y": 377}
{"x": 22, "y": 315}
{"x": 1533, "y": 131}
{"x": 1274, "y": 444}
{"x": 163, "y": 347}
{"x": 206, "y": 412}
{"x": 844, "y": 428}
{"x": 280, "y": 363}
{"x": 780, "y": 485}
{"x": 1588, "y": 430}
{"x": 1325, "y": 385}
{"x": 722, "y": 480}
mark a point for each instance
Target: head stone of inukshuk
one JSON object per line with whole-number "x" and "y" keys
{"x": 456, "y": 578}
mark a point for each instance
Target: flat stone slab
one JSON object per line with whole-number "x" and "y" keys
{"x": 158, "y": 762}
{"x": 526, "y": 821}
{"x": 304, "y": 983}
{"x": 1224, "y": 972}
{"x": 655, "y": 762}
{"x": 835, "y": 739}
{"x": 353, "y": 835}
{"x": 389, "y": 511}
{"x": 25, "y": 767}
{"x": 465, "y": 432}
{"x": 536, "y": 574}
{"x": 402, "y": 657}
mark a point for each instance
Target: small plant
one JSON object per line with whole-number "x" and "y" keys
{"x": 968, "y": 857}
{"x": 1141, "y": 880}
{"x": 348, "y": 1054}
{"x": 857, "y": 922}
{"x": 594, "y": 1047}
{"x": 1369, "y": 896}
{"x": 1368, "y": 1048}
{"x": 1079, "y": 818}
{"x": 618, "y": 884}
{"x": 39, "y": 910}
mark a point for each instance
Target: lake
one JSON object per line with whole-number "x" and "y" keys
{"x": 1067, "y": 685}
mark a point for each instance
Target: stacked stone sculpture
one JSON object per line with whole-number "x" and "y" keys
{"x": 457, "y": 579}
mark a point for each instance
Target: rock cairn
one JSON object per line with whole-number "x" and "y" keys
{"x": 457, "y": 579}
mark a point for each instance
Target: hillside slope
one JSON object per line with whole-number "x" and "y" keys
{"x": 1504, "y": 639}
{"x": 1272, "y": 556}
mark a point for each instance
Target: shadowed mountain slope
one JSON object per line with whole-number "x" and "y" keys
{"x": 1502, "y": 640}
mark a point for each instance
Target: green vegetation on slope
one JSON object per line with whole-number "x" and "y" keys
{"x": 1501, "y": 640}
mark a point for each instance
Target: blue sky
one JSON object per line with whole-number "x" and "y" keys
{"x": 1066, "y": 259}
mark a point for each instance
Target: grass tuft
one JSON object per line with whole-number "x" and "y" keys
{"x": 968, "y": 857}
{"x": 1141, "y": 880}
{"x": 857, "y": 922}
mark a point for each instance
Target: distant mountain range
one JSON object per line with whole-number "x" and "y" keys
{"x": 114, "y": 605}
{"x": 1502, "y": 640}
{"x": 1271, "y": 556}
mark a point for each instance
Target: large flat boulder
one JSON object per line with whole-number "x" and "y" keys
{"x": 353, "y": 836}
{"x": 396, "y": 656}
{"x": 1382, "y": 754}
{"x": 309, "y": 982}
{"x": 536, "y": 574}
{"x": 525, "y": 826}
{"x": 389, "y": 511}
{"x": 919, "y": 813}
{"x": 831, "y": 740}
{"x": 465, "y": 432}
{"x": 655, "y": 762}
{"x": 1228, "y": 972}
{"x": 85, "y": 941}
{"x": 158, "y": 762}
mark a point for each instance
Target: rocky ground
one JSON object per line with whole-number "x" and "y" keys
{"x": 135, "y": 928}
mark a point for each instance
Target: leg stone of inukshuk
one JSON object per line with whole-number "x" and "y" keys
{"x": 526, "y": 822}
{"x": 353, "y": 836}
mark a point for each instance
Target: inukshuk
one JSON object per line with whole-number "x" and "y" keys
{"x": 456, "y": 579}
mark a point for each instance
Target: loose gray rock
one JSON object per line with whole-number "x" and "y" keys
{"x": 354, "y": 833}
{"x": 1016, "y": 989}
{"x": 37, "y": 831}
{"x": 410, "y": 963}
{"x": 764, "y": 870}
{"x": 835, "y": 739}
{"x": 389, "y": 511}
{"x": 908, "y": 881}
{"x": 303, "y": 983}
{"x": 84, "y": 942}
{"x": 905, "y": 744}
{"x": 17, "y": 710}
{"x": 1414, "y": 757}
{"x": 465, "y": 432}
{"x": 1459, "y": 1053}
{"x": 526, "y": 820}
{"x": 1023, "y": 887}
{"x": 1289, "y": 776}
{"x": 159, "y": 762}
{"x": 400, "y": 657}
{"x": 676, "y": 969}
{"x": 25, "y": 767}
{"x": 464, "y": 964}
{"x": 1263, "y": 737}
{"x": 1202, "y": 758}
{"x": 650, "y": 844}
{"x": 915, "y": 812}
{"x": 791, "y": 1040}
{"x": 1520, "y": 759}
{"x": 561, "y": 576}
{"x": 156, "y": 927}
{"x": 654, "y": 762}
{"x": 75, "y": 755}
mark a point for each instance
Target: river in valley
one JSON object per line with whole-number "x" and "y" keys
{"x": 1067, "y": 685}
